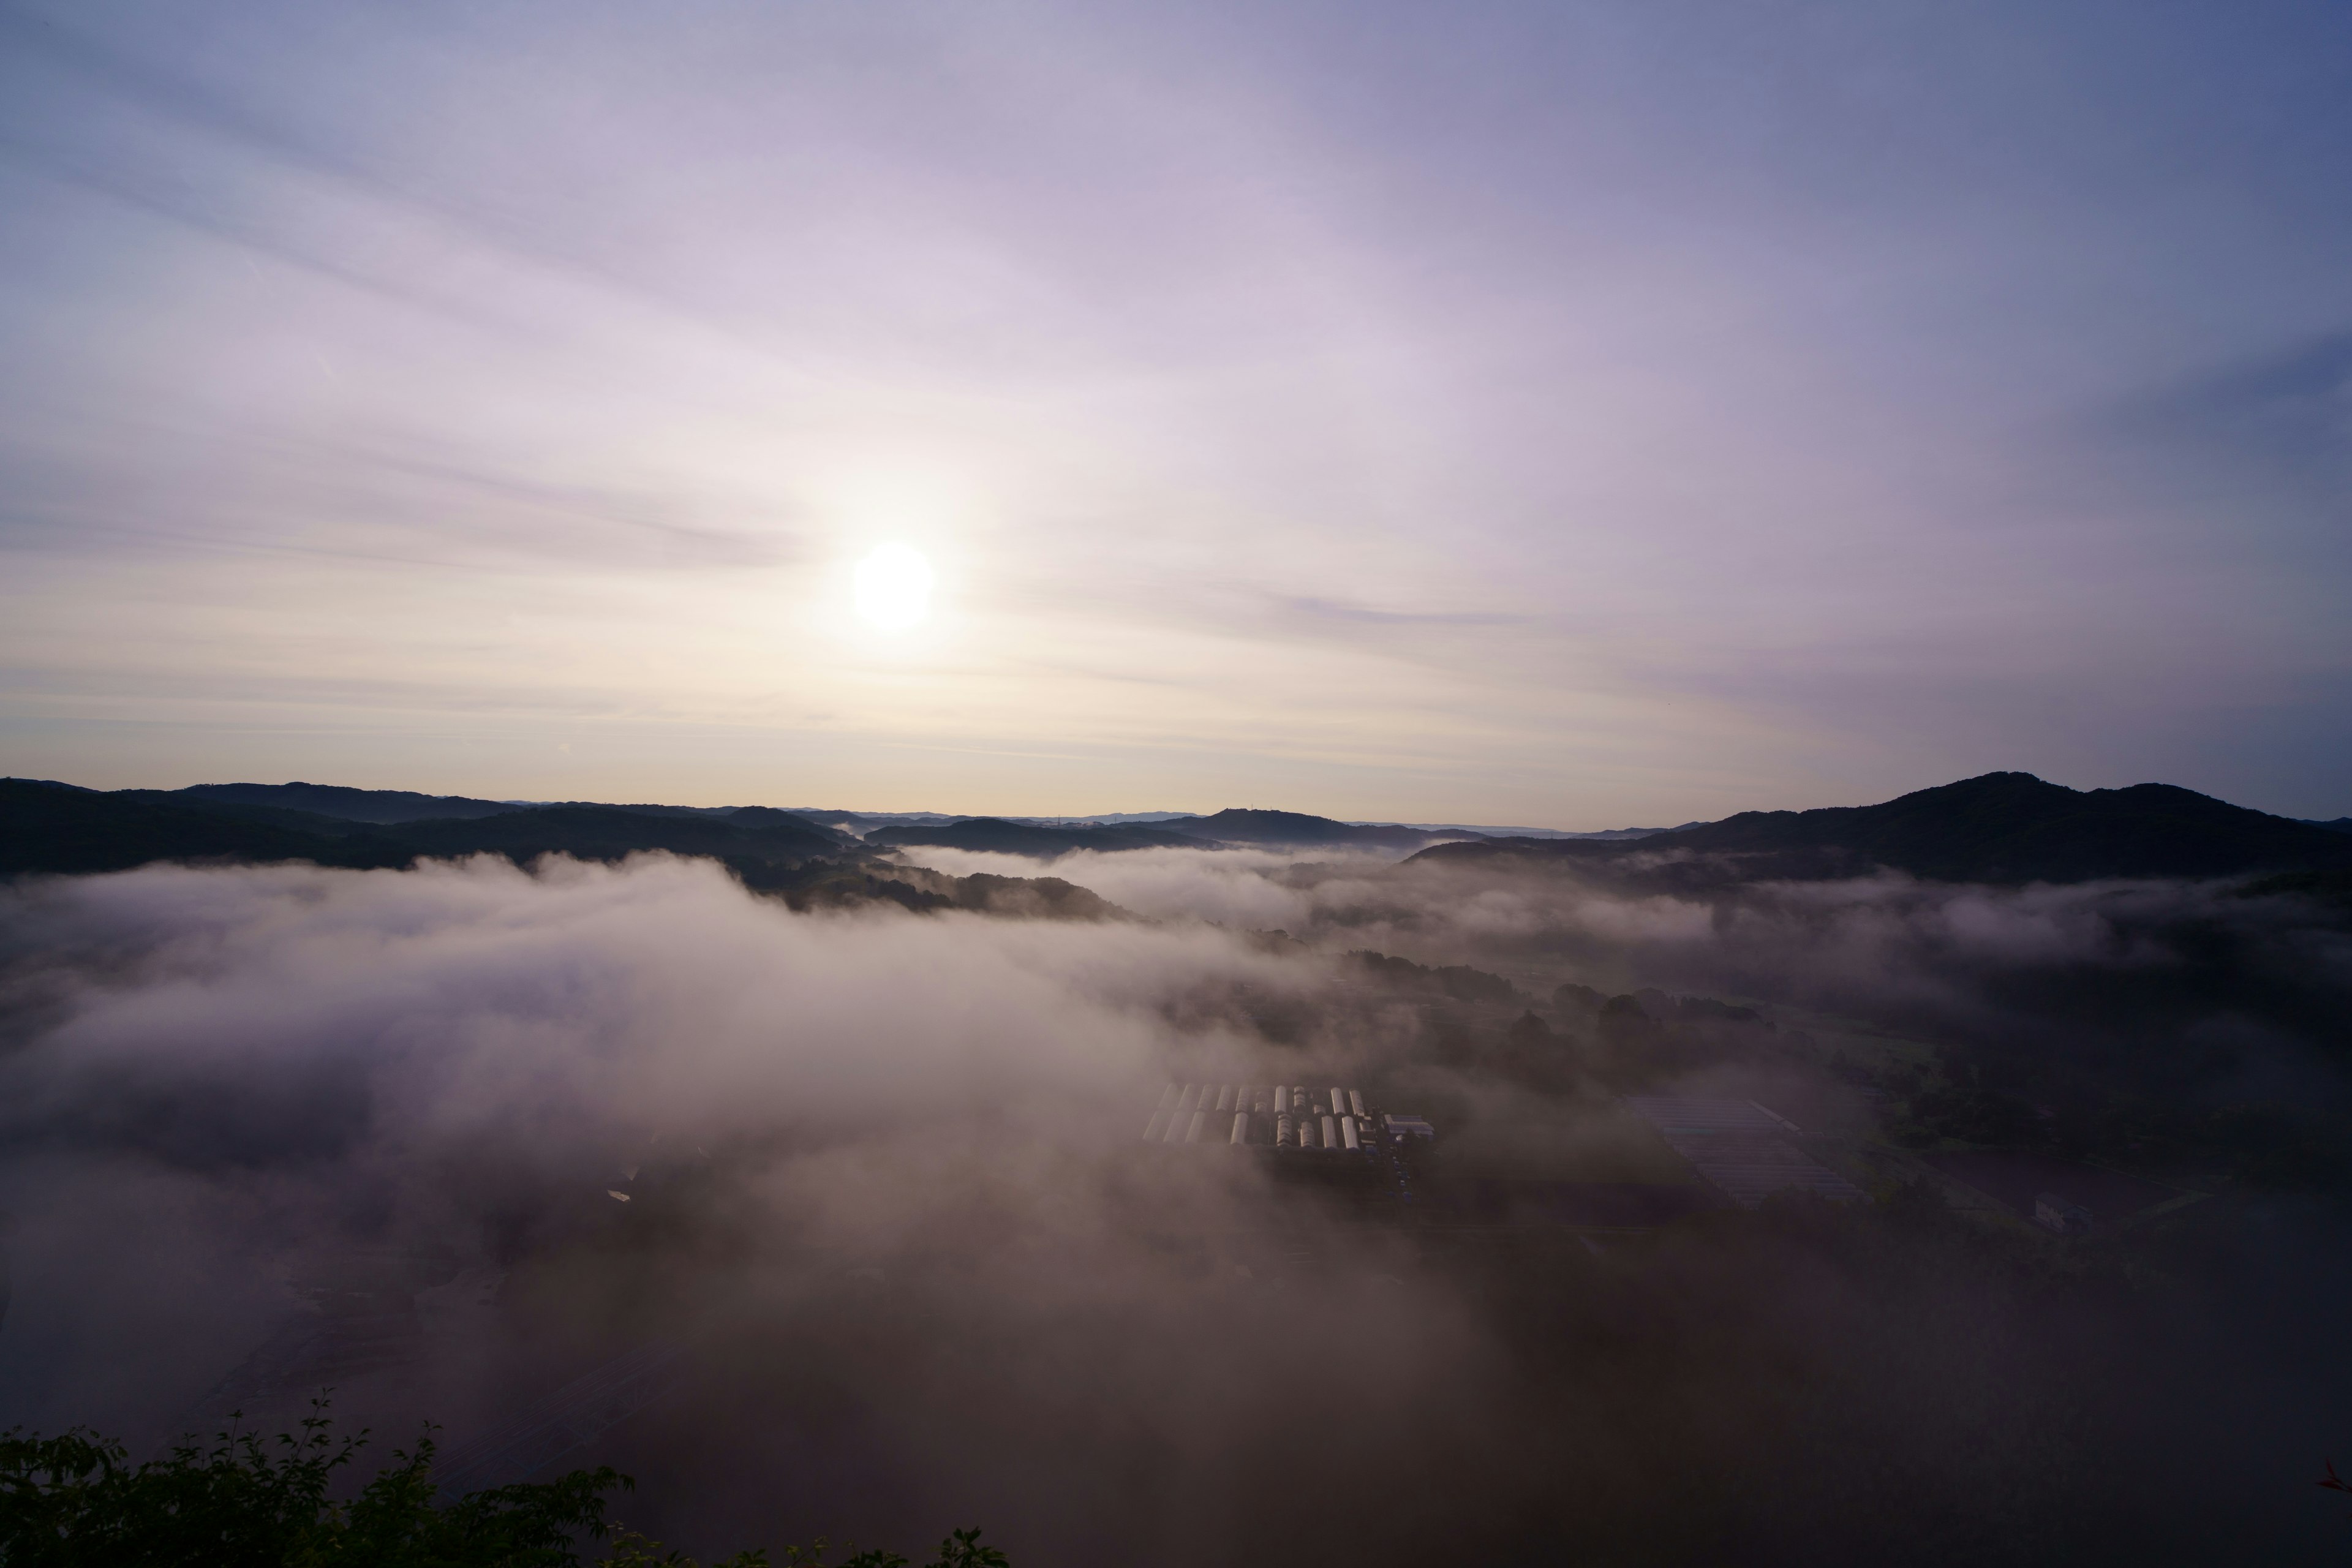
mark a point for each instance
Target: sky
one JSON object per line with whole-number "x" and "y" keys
{"x": 1580, "y": 416}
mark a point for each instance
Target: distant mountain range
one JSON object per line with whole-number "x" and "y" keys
{"x": 60, "y": 827}
{"x": 1474, "y": 831}
{"x": 999, "y": 835}
{"x": 1999, "y": 827}
{"x": 1295, "y": 830}
{"x": 1285, "y": 828}
{"x": 383, "y": 806}
{"x": 1262, "y": 829}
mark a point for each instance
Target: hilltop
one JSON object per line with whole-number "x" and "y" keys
{"x": 1001, "y": 837}
{"x": 1297, "y": 830}
{"x": 2006, "y": 828}
{"x": 1231, "y": 828}
{"x": 58, "y": 828}
{"x": 341, "y": 802}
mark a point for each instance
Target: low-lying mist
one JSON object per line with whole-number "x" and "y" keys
{"x": 2042, "y": 964}
{"x": 1250, "y": 889}
{"x": 873, "y": 1180}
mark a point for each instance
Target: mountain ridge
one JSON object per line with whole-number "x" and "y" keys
{"x": 1997, "y": 827}
{"x": 999, "y": 835}
{"x": 2002, "y": 828}
{"x": 385, "y": 807}
{"x": 65, "y": 829}
{"x": 353, "y": 804}
{"x": 1297, "y": 829}
{"x": 1235, "y": 826}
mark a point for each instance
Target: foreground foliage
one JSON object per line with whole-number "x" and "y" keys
{"x": 76, "y": 1501}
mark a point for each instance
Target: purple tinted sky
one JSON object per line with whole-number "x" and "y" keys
{"x": 1575, "y": 415}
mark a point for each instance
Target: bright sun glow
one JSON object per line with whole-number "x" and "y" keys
{"x": 894, "y": 587}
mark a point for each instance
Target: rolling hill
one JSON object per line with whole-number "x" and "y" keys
{"x": 52, "y": 827}
{"x": 378, "y": 806}
{"x": 1229, "y": 829}
{"x": 2001, "y": 827}
{"x": 997, "y": 836}
{"x": 58, "y": 828}
{"x": 1296, "y": 830}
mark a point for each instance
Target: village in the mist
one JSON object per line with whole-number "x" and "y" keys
{"x": 1191, "y": 1188}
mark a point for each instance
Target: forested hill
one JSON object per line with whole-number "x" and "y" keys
{"x": 55, "y": 827}
{"x": 52, "y": 827}
{"x": 1999, "y": 827}
{"x": 1299, "y": 830}
{"x": 380, "y": 805}
{"x": 1233, "y": 826}
{"x": 1003, "y": 837}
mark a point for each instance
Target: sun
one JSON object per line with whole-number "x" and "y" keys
{"x": 894, "y": 587}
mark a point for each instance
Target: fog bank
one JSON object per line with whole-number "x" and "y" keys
{"x": 868, "y": 1184}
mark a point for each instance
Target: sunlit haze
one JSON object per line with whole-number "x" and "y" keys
{"x": 894, "y": 587}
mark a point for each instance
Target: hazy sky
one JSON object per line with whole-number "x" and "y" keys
{"x": 1576, "y": 414}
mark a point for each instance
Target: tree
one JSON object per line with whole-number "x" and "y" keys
{"x": 74, "y": 1502}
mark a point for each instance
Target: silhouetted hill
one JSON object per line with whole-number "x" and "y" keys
{"x": 270, "y": 816}
{"x": 59, "y": 828}
{"x": 65, "y": 829}
{"x": 998, "y": 836}
{"x": 1292, "y": 830}
{"x": 378, "y": 806}
{"x": 2333, "y": 825}
{"x": 1449, "y": 830}
{"x": 2001, "y": 827}
{"x": 605, "y": 832}
{"x": 764, "y": 816}
{"x": 317, "y": 806}
{"x": 1270, "y": 829}
{"x": 866, "y": 821}
{"x": 48, "y": 827}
